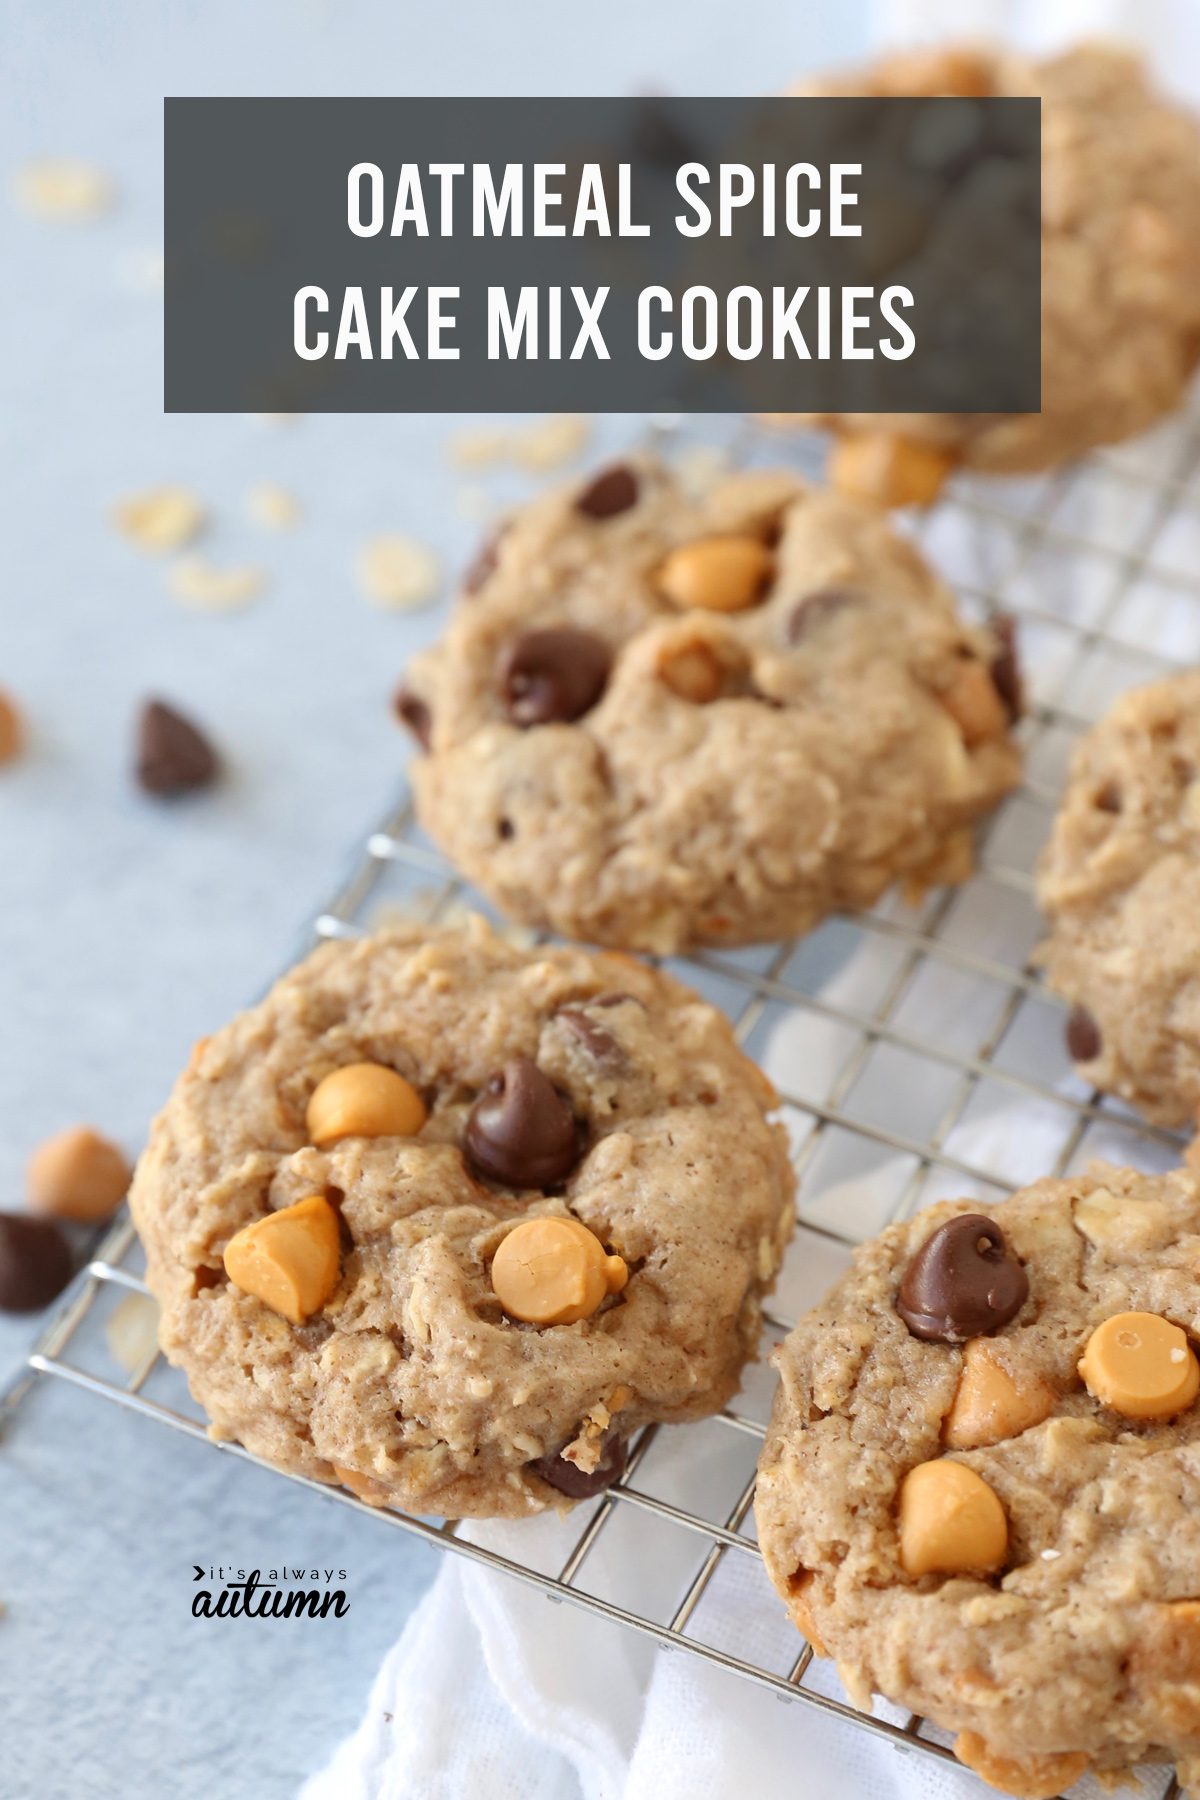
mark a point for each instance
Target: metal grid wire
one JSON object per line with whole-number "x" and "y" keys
{"x": 1101, "y": 564}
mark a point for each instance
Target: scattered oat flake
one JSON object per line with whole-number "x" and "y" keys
{"x": 478, "y": 449}
{"x": 56, "y": 187}
{"x": 273, "y": 506}
{"x": 163, "y": 518}
{"x": 474, "y": 503}
{"x": 398, "y": 571}
{"x": 197, "y": 582}
{"x": 131, "y": 1331}
{"x": 552, "y": 442}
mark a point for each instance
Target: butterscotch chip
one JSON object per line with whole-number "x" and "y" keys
{"x": 951, "y": 1522}
{"x": 1141, "y": 1365}
{"x": 1025, "y": 1778}
{"x": 57, "y": 187}
{"x": 585, "y": 1101}
{"x": 397, "y": 571}
{"x": 290, "y": 1259}
{"x": 554, "y": 1271}
{"x": 364, "y": 1100}
{"x": 718, "y": 574}
{"x": 205, "y": 585}
{"x": 811, "y": 763}
{"x": 1036, "y": 1590}
{"x": 77, "y": 1175}
{"x": 886, "y": 470}
{"x": 160, "y": 519}
{"x": 974, "y": 705}
{"x": 12, "y": 729}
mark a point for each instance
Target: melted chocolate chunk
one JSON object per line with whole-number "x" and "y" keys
{"x": 1083, "y": 1035}
{"x": 1005, "y": 668}
{"x": 413, "y": 712}
{"x": 813, "y": 611}
{"x": 613, "y": 491}
{"x": 35, "y": 1262}
{"x": 962, "y": 1282}
{"x": 173, "y": 756}
{"x": 574, "y": 1482}
{"x": 520, "y": 1131}
{"x": 553, "y": 676}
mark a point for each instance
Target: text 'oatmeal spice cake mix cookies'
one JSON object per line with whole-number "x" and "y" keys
{"x": 1119, "y": 882}
{"x": 1120, "y": 267}
{"x": 980, "y": 1488}
{"x": 447, "y": 1221}
{"x": 656, "y": 720}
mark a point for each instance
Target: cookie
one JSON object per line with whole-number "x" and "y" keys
{"x": 980, "y": 1487}
{"x": 657, "y": 719}
{"x": 1120, "y": 269}
{"x": 447, "y": 1221}
{"x": 1119, "y": 882}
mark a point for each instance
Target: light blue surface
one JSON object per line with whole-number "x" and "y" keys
{"x": 127, "y": 928}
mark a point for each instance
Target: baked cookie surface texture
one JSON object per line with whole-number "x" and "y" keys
{"x": 1120, "y": 261}
{"x": 656, "y": 719}
{"x": 446, "y": 1221}
{"x": 1119, "y": 882}
{"x": 980, "y": 1488}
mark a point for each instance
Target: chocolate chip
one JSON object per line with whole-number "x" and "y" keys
{"x": 413, "y": 712}
{"x": 598, "y": 1044}
{"x": 813, "y": 611}
{"x": 520, "y": 1131}
{"x": 35, "y": 1262}
{"x": 173, "y": 755}
{"x": 1005, "y": 669}
{"x": 963, "y": 1281}
{"x": 553, "y": 676}
{"x": 576, "y": 1483}
{"x": 484, "y": 564}
{"x": 1109, "y": 798}
{"x": 613, "y": 491}
{"x": 1083, "y": 1035}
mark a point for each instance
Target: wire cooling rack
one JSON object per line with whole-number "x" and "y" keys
{"x": 915, "y": 1050}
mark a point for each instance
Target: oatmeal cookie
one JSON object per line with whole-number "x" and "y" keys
{"x": 1120, "y": 269}
{"x": 1120, "y": 884}
{"x": 980, "y": 1488}
{"x": 656, "y": 720}
{"x": 447, "y": 1221}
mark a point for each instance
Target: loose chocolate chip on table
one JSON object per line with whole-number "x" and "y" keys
{"x": 1005, "y": 669}
{"x": 35, "y": 1262}
{"x": 413, "y": 712}
{"x": 173, "y": 756}
{"x": 815, "y": 609}
{"x": 599, "y": 1044}
{"x": 520, "y": 1131}
{"x": 963, "y": 1281}
{"x": 553, "y": 676}
{"x": 613, "y": 491}
{"x": 574, "y": 1482}
{"x": 1083, "y": 1035}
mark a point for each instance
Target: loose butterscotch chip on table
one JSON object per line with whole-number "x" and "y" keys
{"x": 78, "y": 1175}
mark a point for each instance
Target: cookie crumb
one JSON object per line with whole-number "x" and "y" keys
{"x": 160, "y": 519}
{"x": 273, "y": 506}
{"x": 397, "y": 571}
{"x": 58, "y": 187}
{"x": 197, "y": 582}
